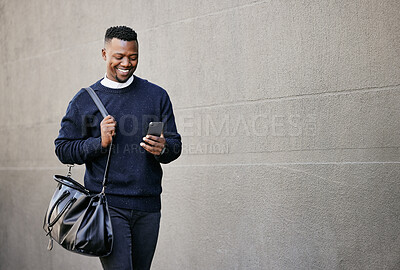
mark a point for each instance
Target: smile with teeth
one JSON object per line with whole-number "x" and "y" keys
{"x": 123, "y": 71}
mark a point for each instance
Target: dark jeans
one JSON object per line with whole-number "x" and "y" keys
{"x": 135, "y": 239}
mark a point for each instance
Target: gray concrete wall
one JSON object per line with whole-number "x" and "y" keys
{"x": 289, "y": 112}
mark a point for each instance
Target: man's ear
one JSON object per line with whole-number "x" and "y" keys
{"x": 103, "y": 54}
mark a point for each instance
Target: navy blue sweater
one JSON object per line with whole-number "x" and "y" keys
{"x": 134, "y": 179}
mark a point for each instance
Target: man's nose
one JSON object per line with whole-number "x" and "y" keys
{"x": 125, "y": 62}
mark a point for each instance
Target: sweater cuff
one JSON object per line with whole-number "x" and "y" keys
{"x": 171, "y": 152}
{"x": 92, "y": 148}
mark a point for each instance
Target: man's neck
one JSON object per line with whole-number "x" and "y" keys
{"x": 116, "y": 85}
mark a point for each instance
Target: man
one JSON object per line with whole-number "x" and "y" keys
{"x": 134, "y": 179}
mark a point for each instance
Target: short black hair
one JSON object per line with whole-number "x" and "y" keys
{"x": 120, "y": 32}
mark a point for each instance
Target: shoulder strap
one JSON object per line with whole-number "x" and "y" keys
{"x": 104, "y": 113}
{"x": 97, "y": 101}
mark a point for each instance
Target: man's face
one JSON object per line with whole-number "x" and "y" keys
{"x": 121, "y": 58}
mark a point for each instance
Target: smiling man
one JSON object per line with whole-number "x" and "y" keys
{"x": 134, "y": 178}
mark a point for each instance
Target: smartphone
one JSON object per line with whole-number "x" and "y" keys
{"x": 155, "y": 128}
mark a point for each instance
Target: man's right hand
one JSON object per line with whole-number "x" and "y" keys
{"x": 107, "y": 127}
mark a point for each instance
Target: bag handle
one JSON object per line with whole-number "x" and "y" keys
{"x": 104, "y": 113}
{"x": 62, "y": 197}
{"x": 69, "y": 182}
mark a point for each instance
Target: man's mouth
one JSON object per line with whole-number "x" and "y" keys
{"x": 123, "y": 71}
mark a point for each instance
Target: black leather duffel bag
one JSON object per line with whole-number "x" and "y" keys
{"x": 78, "y": 221}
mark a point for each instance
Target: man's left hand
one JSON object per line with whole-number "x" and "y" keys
{"x": 153, "y": 144}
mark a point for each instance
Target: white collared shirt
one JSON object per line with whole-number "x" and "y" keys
{"x": 115, "y": 85}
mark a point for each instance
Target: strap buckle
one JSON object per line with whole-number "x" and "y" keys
{"x": 70, "y": 169}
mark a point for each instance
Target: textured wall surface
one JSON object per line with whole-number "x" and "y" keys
{"x": 289, "y": 112}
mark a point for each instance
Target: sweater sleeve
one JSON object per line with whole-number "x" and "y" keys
{"x": 173, "y": 139}
{"x": 73, "y": 145}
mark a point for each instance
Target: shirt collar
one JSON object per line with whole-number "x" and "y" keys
{"x": 115, "y": 85}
